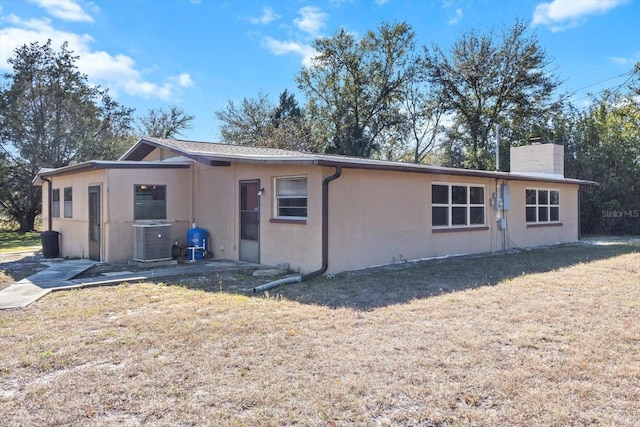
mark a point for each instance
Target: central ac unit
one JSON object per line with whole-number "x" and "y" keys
{"x": 151, "y": 242}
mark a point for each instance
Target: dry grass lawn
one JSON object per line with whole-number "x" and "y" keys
{"x": 546, "y": 337}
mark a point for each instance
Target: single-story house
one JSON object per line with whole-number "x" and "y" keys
{"x": 315, "y": 212}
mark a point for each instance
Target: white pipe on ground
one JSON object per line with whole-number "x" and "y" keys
{"x": 276, "y": 283}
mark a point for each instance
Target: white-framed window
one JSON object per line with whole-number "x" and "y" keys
{"x": 457, "y": 205}
{"x": 291, "y": 197}
{"x": 55, "y": 203}
{"x": 150, "y": 201}
{"x": 542, "y": 205}
{"x": 68, "y": 202}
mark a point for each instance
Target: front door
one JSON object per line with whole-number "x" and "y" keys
{"x": 250, "y": 221}
{"x": 94, "y": 223}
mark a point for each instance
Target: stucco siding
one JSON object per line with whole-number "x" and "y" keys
{"x": 216, "y": 201}
{"x": 74, "y": 231}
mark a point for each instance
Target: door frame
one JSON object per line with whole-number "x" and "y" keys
{"x": 94, "y": 248}
{"x": 241, "y": 183}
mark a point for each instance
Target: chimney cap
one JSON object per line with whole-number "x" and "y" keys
{"x": 535, "y": 140}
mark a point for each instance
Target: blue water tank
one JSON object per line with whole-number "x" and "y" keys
{"x": 197, "y": 243}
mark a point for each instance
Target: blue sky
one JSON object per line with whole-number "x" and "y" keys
{"x": 199, "y": 54}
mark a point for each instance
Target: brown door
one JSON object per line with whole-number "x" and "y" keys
{"x": 94, "y": 223}
{"x": 250, "y": 221}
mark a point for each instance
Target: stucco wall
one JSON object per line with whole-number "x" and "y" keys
{"x": 384, "y": 217}
{"x": 74, "y": 232}
{"x": 117, "y": 188}
{"x": 216, "y": 201}
{"x": 118, "y": 214}
{"x": 375, "y": 217}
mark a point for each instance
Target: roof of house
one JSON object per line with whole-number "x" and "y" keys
{"x": 223, "y": 154}
{"x": 45, "y": 173}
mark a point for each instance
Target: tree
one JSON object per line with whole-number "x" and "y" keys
{"x": 161, "y": 123}
{"x": 257, "y": 122}
{"x": 606, "y": 149}
{"x": 355, "y": 88}
{"x": 488, "y": 80}
{"x": 246, "y": 124}
{"x": 424, "y": 113}
{"x": 51, "y": 117}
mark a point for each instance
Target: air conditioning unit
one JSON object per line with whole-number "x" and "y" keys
{"x": 151, "y": 242}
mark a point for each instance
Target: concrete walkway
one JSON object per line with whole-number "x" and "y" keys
{"x": 34, "y": 287}
{"x": 60, "y": 275}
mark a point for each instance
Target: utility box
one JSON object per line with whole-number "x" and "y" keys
{"x": 505, "y": 195}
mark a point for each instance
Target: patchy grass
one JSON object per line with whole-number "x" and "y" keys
{"x": 12, "y": 241}
{"x": 545, "y": 337}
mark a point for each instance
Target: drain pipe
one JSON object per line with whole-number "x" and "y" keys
{"x": 325, "y": 241}
{"x": 49, "y": 202}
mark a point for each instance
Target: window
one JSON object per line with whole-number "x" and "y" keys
{"x": 55, "y": 203}
{"x": 291, "y": 198}
{"x": 542, "y": 205}
{"x": 68, "y": 202}
{"x": 150, "y": 202}
{"x": 457, "y": 205}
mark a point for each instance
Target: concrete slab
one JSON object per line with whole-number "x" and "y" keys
{"x": 60, "y": 275}
{"x": 31, "y": 289}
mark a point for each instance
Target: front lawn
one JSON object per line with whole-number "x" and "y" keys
{"x": 11, "y": 241}
{"x": 536, "y": 338}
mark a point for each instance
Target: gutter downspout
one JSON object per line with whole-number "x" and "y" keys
{"x": 325, "y": 240}
{"x": 49, "y": 203}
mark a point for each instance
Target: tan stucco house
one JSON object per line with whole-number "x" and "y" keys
{"x": 314, "y": 212}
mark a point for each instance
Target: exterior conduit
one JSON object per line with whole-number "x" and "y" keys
{"x": 325, "y": 240}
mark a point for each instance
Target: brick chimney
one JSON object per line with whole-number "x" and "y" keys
{"x": 538, "y": 159}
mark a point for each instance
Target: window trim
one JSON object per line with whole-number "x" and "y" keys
{"x": 538, "y": 205}
{"x": 468, "y": 205}
{"x": 277, "y": 198}
{"x": 68, "y": 204}
{"x": 135, "y": 202}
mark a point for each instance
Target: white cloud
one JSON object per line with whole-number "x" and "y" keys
{"x": 278, "y": 47}
{"x": 184, "y": 80}
{"x": 116, "y": 72}
{"x": 563, "y": 14}
{"x": 67, "y": 10}
{"x": 312, "y": 20}
{"x": 456, "y": 17}
{"x": 268, "y": 16}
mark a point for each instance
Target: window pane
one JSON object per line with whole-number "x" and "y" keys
{"x": 531, "y": 214}
{"x": 55, "y": 203}
{"x": 292, "y": 207}
{"x": 459, "y": 216}
{"x": 476, "y": 195}
{"x": 291, "y": 187}
{"x": 440, "y": 194}
{"x": 68, "y": 202}
{"x": 531, "y": 198}
{"x": 554, "y": 197}
{"x": 150, "y": 202}
{"x": 543, "y": 197}
{"x": 554, "y": 213}
{"x": 291, "y": 197}
{"x": 542, "y": 214}
{"x": 439, "y": 216}
{"x": 458, "y": 195}
{"x": 476, "y": 216}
